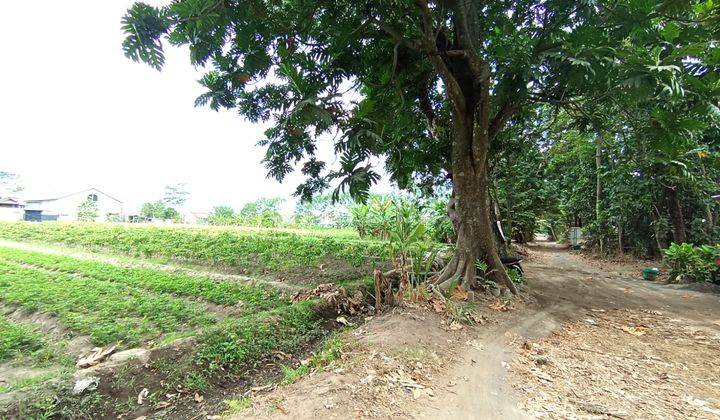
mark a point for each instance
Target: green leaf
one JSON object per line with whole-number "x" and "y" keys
{"x": 670, "y": 32}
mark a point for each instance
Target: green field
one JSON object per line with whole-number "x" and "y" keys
{"x": 234, "y": 324}
{"x": 252, "y": 250}
{"x": 131, "y": 306}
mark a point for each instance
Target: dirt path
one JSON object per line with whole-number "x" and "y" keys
{"x": 589, "y": 342}
{"x": 565, "y": 290}
{"x": 564, "y": 285}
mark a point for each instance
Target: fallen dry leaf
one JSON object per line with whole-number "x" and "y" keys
{"x": 198, "y": 398}
{"x": 97, "y": 355}
{"x": 460, "y": 294}
{"x": 263, "y": 388}
{"x": 474, "y": 344}
{"x": 639, "y": 330}
{"x": 437, "y": 305}
{"x": 499, "y": 306}
{"x": 162, "y": 404}
{"x": 455, "y": 326}
{"x": 477, "y": 318}
{"x": 647, "y": 311}
{"x": 142, "y": 395}
{"x": 282, "y": 355}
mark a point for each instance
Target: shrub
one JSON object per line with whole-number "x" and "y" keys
{"x": 691, "y": 263}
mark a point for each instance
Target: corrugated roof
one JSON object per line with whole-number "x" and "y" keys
{"x": 10, "y": 200}
{"x": 78, "y": 192}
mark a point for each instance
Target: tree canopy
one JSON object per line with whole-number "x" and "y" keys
{"x": 448, "y": 92}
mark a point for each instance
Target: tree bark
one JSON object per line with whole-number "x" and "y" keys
{"x": 453, "y": 214}
{"x": 502, "y": 241}
{"x": 660, "y": 237}
{"x": 467, "y": 86}
{"x": 709, "y": 220}
{"x": 476, "y": 238}
{"x": 552, "y": 237}
{"x": 676, "y": 215}
{"x": 598, "y": 185}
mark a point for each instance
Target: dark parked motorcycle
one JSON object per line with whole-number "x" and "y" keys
{"x": 512, "y": 263}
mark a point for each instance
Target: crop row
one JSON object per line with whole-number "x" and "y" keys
{"x": 242, "y": 248}
{"x": 106, "y": 311}
{"x": 242, "y": 341}
{"x": 17, "y": 340}
{"x": 221, "y": 292}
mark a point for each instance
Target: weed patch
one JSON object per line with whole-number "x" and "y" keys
{"x": 236, "y": 406}
{"x": 331, "y": 350}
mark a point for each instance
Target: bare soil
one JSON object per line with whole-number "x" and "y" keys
{"x": 388, "y": 366}
{"x": 588, "y": 340}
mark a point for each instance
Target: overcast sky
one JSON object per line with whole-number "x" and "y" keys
{"x": 75, "y": 113}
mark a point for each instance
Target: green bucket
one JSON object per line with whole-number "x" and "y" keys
{"x": 650, "y": 274}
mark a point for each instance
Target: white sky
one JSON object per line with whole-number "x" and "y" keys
{"x": 75, "y": 113}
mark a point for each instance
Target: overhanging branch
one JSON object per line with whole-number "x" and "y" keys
{"x": 506, "y": 111}
{"x": 429, "y": 45}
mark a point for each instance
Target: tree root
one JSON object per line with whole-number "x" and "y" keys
{"x": 457, "y": 273}
{"x": 461, "y": 270}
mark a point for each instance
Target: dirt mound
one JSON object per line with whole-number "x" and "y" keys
{"x": 389, "y": 366}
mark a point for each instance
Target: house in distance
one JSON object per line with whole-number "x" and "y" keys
{"x": 11, "y": 209}
{"x": 65, "y": 208}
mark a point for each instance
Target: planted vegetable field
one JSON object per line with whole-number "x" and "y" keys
{"x": 250, "y": 250}
{"x": 231, "y": 325}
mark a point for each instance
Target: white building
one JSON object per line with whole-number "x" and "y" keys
{"x": 197, "y": 218}
{"x": 65, "y": 208}
{"x": 11, "y": 209}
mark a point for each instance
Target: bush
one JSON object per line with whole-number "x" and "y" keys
{"x": 692, "y": 263}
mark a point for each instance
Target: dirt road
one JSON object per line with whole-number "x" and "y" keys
{"x": 567, "y": 291}
{"x": 589, "y": 342}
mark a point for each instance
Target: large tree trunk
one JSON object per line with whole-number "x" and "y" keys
{"x": 676, "y": 215}
{"x": 476, "y": 238}
{"x": 598, "y": 185}
{"x": 502, "y": 241}
{"x": 467, "y": 85}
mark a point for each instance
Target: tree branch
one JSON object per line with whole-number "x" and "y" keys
{"x": 506, "y": 111}
{"x": 413, "y": 44}
{"x": 428, "y": 42}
